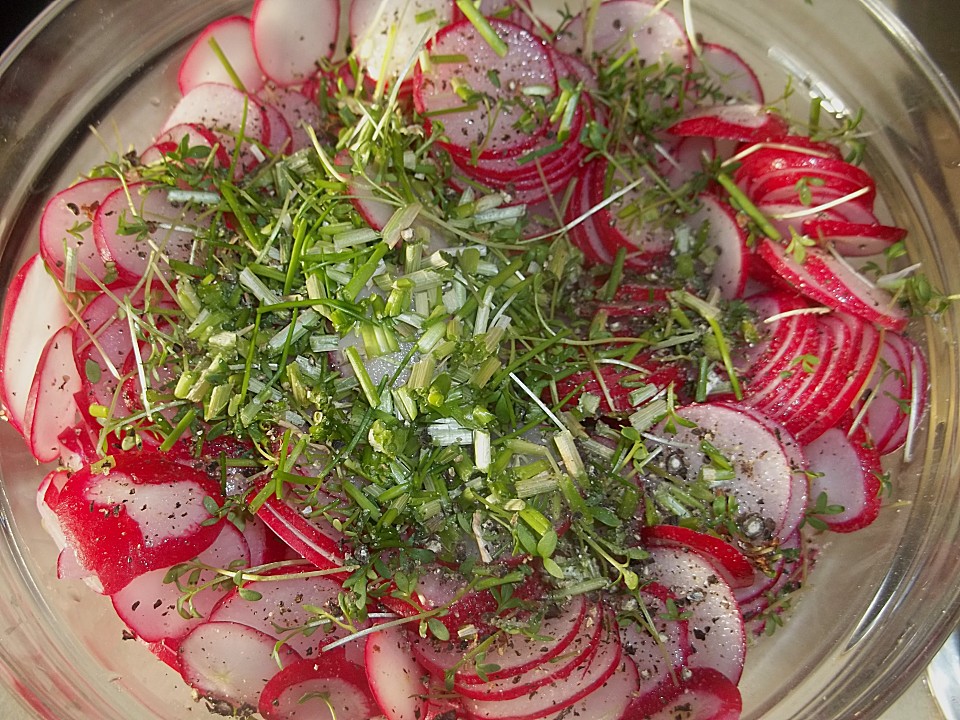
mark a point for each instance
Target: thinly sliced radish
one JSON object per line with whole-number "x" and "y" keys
{"x": 30, "y": 319}
{"x": 762, "y": 484}
{"x": 281, "y": 135}
{"x": 141, "y": 230}
{"x": 231, "y": 663}
{"x": 729, "y": 239}
{"x": 898, "y": 383}
{"x": 299, "y": 113}
{"x": 51, "y": 406}
{"x": 228, "y": 112}
{"x": 559, "y": 694}
{"x": 67, "y": 223}
{"x": 394, "y": 675}
{"x": 489, "y": 127}
{"x": 609, "y": 701}
{"x": 304, "y": 528}
{"x": 622, "y": 25}
{"x": 704, "y": 695}
{"x": 283, "y": 610}
{"x": 387, "y": 34}
{"x": 728, "y": 73}
{"x": 195, "y": 136}
{"x": 746, "y": 123}
{"x": 120, "y": 522}
{"x": 854, "y": 239}
{"x": 545, "y": 671}
{"x": 290, "y": 37}
{"x": 148, "y": 605}
{"x": 847, "y": 468}
{"x": 324, "y": 688}
{"x": 828, "y": 280}
{"x": 684, "y": 159}
{"x": 202, "y": 64}
{"x": 732, "y": 565}
{"x": 717, "y": 635}
{"x": 660, "y": 651}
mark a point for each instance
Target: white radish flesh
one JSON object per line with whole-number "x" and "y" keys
{"x": 394, "y": 675}
{"x": 229, "y": 662}
{"x": 290, "y": 37}
{"x": 31, "y": 315}
{"x": 202, "y": 64}
{"x": 67, "y": 222}
{"x": 52, "y": 407}
{"x": 717, "y": 635}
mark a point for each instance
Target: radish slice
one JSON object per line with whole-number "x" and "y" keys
{"x": 225, "y": 110}
{"x": 304, "y": 528}
{"x": 762, "y": 485}
{"x": 148, "y": 605}
{"x": 607, "y": 702}
{"x": 324, "y": 688}
{"x": 299, "y": 112}
{"x": 51, "y": 406}
{"x": 386, "y": 34}
{"x": 394, "y": 675}
{"x": 120, "y": 524}
{"x": 621, "y": 25}
{"x": 283, "y": 610}
{"x": 30, "y": 319}
{"x": 828, "y": 280}
{"x": 201, "y": 64}
{"x": 195, "y": 136}
{"x": 664, "y": 652}
{"x": 847, "y": 468}
{"x": 732, "y": 565}
{"x": 728, "y": 73}
{"x": 545, "y": 671}
{"x": 231, "y": 663}
{"x": 560, "y": 693}
{"x": 290, "y": 37}
{"x": 746, "y": 123}
{"x": 140, "y": 230}
{"x": 717, "y": 635}
{"x": 67, "y": 222}
{"x": 488, "y": 127}
{"x": 854, "y": 239}
{"x": 705, "y": 695}
{"x": 729, "y": 239}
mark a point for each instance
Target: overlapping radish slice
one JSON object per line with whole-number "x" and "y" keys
{"x": 231, "y": 36}
{"x": 325, "y": 688}
{"x": 762, "y": 468}
{"x": 386, "y": 34}
{"x": 394, "y": 675}
{"x": 732, "y": 565}
{"x": 139, "y": 229}
{"x": 229, "y": 113}
{"x": 717, "y": 638}
{"x": 149, "y": 606}
{"x": 827, "y": 279}
{"x": 195, "y": 136}
{"x": 120, "y": 525}
{"x": 846, "y": 467}
{"x": 230, "y": 663}
{"x": 595, "y": 668}
{"x": 704, "y": 695}
{"x": 727, "y": 72}
{"x": 895, "y": 398}
{"x": 746, "y": 123}
{"x": 51, "y": 406}
{"x": 290, "y": 37}
{"x": 30, "y": 319}
{"x": 284, "y": 610}
{"x": 622, "y": 25}
{"x": 488, "y": 126}
{"x": 658, "y": 643}
{"x": 729, "y": 240}
{"x": 304, "y": 526}
{"x": 67, "y": 226}
{"x": 298, "y": 111}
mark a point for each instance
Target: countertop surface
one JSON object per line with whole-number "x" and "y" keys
{"x": 934, "y": 22}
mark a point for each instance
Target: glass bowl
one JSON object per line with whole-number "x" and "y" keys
{"x": 879, "y": 602}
